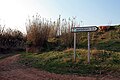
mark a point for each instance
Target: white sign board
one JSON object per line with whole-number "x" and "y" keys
{"x": 84, "y": 29}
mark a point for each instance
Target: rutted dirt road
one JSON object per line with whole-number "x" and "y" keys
{"x": 11, "y": 70}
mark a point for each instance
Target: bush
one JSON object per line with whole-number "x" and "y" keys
{"x": 38, "y": 33}
{"x": 11, "y": 40}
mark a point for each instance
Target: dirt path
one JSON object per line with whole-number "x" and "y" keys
{"x": 11, "y": 70}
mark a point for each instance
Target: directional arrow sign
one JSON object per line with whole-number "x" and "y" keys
{"x": 84, "y": 29}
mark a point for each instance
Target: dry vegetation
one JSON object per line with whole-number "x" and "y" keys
{"x": 42, "y": 33}
{"x": 46, "y": 35}
{"x": 11, "y": 40}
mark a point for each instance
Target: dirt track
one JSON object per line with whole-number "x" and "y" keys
{"x": 11, "y": 70}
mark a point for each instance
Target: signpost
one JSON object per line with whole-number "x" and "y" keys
{"x": 74, "y": 46}
{"x": 88, "y": 47}
{"x": 83, "y": 29}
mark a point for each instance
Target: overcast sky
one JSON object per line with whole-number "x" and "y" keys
{"x": 14, "y": 13}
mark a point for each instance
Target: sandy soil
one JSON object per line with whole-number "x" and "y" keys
{"x": 11, "y": 70}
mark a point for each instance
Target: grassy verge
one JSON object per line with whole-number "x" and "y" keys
{"x": 102, "y": 62}
{"x": 112, "y": 45}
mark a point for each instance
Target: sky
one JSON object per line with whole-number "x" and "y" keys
{"x": 14, "y": 13}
